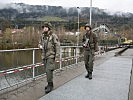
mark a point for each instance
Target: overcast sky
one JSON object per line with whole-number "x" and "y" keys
{"x": 115, "y": 5}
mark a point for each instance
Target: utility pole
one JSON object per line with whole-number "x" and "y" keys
{"x": 77, "y": 33}
{"x": 78, "y": 27}
{"x": 90, "y": 11}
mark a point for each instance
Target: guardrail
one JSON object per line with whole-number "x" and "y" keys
{"x": 11, "y": 77}
{"x": 15, "y": 76}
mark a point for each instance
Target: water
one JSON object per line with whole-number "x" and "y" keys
{"x": 15, "y": 59}
{"x": 9, "y": 60}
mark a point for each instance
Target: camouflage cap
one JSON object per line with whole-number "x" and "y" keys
{"x": 46, "y": 24}
{"x": 87, "y": 25}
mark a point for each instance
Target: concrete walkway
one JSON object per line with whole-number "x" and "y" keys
{"x": 110, "y": 81}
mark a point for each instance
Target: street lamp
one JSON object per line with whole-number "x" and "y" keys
{"x": 77, "y": 34}
{"x": 78, "y": 27}
{"x": 78, "y": 18}
{"x": 90, "y": 11}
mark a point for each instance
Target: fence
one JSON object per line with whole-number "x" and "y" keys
{"x": 27, "y": 73}
{"x": 20, "y": 74}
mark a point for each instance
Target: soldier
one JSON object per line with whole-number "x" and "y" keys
{"x": 90, "y": 45}
{"x": 50, "y": 45}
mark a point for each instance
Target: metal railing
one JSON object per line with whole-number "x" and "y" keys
{"x": 19, "y": 74}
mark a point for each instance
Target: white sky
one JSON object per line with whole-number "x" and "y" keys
{"x": 115, "y": 5}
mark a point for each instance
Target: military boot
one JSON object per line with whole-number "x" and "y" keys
{"x": 49, "y": 87}
{"x": 87, "y": 76}
{"x": 46, "y": 87}
{"x": 90, "y": 75}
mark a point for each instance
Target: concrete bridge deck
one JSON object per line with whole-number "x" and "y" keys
{"x": 111, "y": 81}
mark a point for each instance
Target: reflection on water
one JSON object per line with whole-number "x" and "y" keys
{"x": 16, "y": 59}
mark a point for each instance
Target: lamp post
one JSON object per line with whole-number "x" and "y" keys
{"x": 77, "y": 34}
{"x": 78, "y": 18}
{"x": 78, "y": 27}
{"x": 90, "y": 11}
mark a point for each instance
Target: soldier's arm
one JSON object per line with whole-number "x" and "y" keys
{"x": 83, "y": 40}
{"x": 57, "y": 45}
{"x": 95, "y": 43}
{"x": 40, "y": 42}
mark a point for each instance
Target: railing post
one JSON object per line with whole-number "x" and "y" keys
{"x": 76, "y": 54}
{"x": 33, "y": 60}
{"x": 60, "y": 58}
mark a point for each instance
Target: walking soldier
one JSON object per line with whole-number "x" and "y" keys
{"x": 90, "y": 45}
{"x": 50, "y": 45}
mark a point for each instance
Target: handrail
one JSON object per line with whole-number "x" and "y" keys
{"x": 19, "y": 50}
{"x": 62, "y": 61}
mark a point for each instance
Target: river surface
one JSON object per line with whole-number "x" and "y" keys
{"x": 16, "y": 59}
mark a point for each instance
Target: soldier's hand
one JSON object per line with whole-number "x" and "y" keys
{"x": 57, "y": 60}
{"x": 96, "y": 53}
{"x": 96, "y": 49}
{"x": 40, "y": 46}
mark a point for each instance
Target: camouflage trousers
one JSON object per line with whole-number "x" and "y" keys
{"x": 49, "y": 68}
{"x": 89, "y": 59}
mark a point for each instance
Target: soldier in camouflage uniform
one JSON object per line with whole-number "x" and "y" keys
{"x": 50, "y": 45}
{"x": 90, "y": 45}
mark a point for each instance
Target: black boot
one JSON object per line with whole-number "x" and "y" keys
{"x": 46, "y": 87}
{"x": 49, "y": 87}
{"x": 87, "y": 76}
{"x": 90, "y": 75}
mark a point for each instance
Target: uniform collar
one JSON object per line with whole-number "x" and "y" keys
{"x": 49, "y": 33}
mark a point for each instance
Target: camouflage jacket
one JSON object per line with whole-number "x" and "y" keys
{"x": 50, "y": 44}
{"x": 92, "y": 43}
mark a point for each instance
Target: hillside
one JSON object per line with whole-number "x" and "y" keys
{"x": 21, "y": 11}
